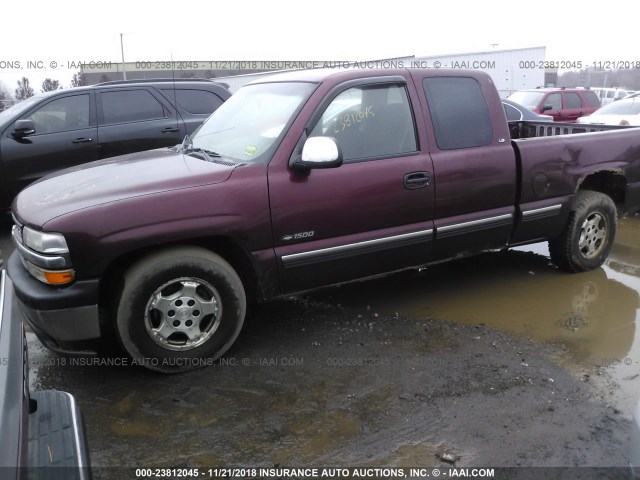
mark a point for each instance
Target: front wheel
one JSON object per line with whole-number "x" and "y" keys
{"x": 588, "y": 236}
{"x": 180, "y": 309}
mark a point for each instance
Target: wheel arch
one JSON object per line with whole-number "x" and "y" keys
{"x": 609, "y": 182}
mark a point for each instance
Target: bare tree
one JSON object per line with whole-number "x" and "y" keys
{"x": 78, "y": 80}
{"x": 50, "y": 85}
{"x": 105, "y": 78}
{"x": 24, "y": 90}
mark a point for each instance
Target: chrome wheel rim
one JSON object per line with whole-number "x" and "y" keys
{"x": 183, "y": 313}
{"x": 593, "y": 235}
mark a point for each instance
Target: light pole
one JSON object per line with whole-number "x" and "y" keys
{"x": 124, "y": 71}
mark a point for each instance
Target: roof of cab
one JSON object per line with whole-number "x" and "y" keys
{"x": 319, "y": 75}
{"x": 315, "y": 75}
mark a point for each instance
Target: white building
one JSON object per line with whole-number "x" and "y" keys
{"x": 511, "y": 70}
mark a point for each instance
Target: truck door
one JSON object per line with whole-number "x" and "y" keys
{"x": 371, "y": 215}
{"x": 474, "y": 165}
{"x": 65, "y": 136}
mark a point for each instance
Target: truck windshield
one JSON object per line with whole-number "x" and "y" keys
{"x": 252, "y": 120}
{"x": 528, "y": 99}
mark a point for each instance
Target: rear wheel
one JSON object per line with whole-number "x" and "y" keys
{"x": 180, "y": 309}
{"x": 588, "y": 235}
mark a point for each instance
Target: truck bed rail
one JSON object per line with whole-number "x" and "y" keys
{"x": 524, "y": 129}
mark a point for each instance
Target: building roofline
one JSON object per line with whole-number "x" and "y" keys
{"x": 486, "y": 52}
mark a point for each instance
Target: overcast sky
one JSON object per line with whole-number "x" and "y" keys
{"x": 70, "y": 30}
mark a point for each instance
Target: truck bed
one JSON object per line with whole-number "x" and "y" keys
{"x": 554, "y": 163}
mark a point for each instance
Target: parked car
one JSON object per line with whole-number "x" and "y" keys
{"x": 302, "y": 180}
{"x": 516, "y": 113}
{"x": 609, "y": 95}
{"x": 563, "y": 104}
{"x": 64, "y": 128}
{"x": 622, "y": 112}
{"x": 40, "y": 430}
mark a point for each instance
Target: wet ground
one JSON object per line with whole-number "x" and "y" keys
{"x": 498, "y": 360}
{"x": 595, "y": 315}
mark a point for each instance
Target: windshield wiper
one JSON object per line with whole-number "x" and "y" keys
{"x": 208, "y": 153}
{"x": 187, "y": 147}
{"x": 208, "y": 156}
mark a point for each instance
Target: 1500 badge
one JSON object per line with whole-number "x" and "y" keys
{"x": 298, "y": 236}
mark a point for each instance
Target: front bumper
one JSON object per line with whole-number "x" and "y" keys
{"x": 65, "y": 319}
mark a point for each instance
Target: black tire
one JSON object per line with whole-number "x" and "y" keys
{"x": 181, "y": 308}
{"x": 588, "y": 235}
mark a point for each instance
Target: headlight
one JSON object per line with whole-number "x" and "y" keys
{"x": 44, "y": 242}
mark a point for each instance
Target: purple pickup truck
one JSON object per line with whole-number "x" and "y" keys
{"x": 299, "y": 181}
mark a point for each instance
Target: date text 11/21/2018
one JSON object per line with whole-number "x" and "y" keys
{"x": 325, "y": 473}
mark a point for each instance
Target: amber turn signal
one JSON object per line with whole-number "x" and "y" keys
{"x": 59, "y": 278}
{"x": 50, "y": 277}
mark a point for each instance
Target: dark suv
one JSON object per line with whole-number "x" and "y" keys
{"x": 64, "y": 128}
{"x": 563, "y": 104}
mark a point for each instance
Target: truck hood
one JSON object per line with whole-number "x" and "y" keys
{"x": 114, "y": 179}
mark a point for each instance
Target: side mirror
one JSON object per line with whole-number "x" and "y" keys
{"x": 319, "y": 152}
{"x": 22, "y": 128}
{"x": 546, "y": 107}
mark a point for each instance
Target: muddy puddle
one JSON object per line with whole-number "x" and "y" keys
{"x": 595, "y": 315}
{"x": 308, "y": 389}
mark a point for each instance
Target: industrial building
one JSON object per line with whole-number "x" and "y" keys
{"x": 511, "y": 70}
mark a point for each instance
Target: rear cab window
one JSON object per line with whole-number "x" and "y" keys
{"x": 459, "y": 112}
